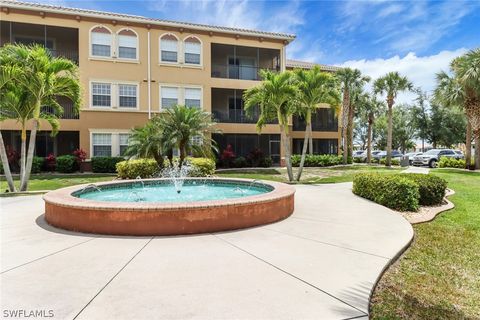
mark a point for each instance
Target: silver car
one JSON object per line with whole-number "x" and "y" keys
{"x": 412, "y": 155}
{"x": 431, "y": 157}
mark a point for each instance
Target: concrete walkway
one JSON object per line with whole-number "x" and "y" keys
{"x": 321, "y": 263}
{"x": 423, "y": 170}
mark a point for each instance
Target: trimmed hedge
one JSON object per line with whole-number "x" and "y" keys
{"x": 201, "y": 167}
{"x": 446, "y": 162}
{"x": 144, "y": 168}
{"x": 403, "y": 192}
{"x": 392, "y": 191}
{"x": 317, "y": 160}
{"x": 37, "y": 164}
{"x": 105, "y": 164}
{"x": 67, "y": 164}
{"x": 395, "y": 161}
{"x": 432, "y": 188}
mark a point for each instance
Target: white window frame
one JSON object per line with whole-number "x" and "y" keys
{"x": 181, "y": 93}
{"x": 179, "y": 53}
{"x": 193, "y": 88}
{"x": 201, "y": 51}
{"x": 115, "y": 142}
{"x": 117, "y": 45}
{"x": 112, "y": 41}
{"x": 114, "y": 94}
{"x": 92, "y": 145}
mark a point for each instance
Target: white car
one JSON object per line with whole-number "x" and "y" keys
{"x": 412, "y": 155}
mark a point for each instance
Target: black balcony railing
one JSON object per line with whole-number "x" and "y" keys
{"x": 237, "y": 116}
{"x": 68, "y": 111}
{"x": 68, "y": 54}
{"x": 322, "y": 120}
{"x": 241, "y": 72}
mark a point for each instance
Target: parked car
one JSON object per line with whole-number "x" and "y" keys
{"x": 412, "y": 155}
{"x": 358, "y": 153}
{"x": 363, "y": 156}
{"x": 460, "y": 154}
{"x": 383, "y": 154}
{"x": 431, "y": 157}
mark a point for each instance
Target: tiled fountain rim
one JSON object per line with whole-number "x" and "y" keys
{"x": 64, "y": 197}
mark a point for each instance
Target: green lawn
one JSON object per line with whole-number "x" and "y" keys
{"x": 439, "y": 276}
{"x": 52, "y": 182}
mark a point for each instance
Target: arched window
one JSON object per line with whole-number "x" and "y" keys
{"x": 193, "y": 50}
{"x": 127, "y": 44}
{"x": 101, "y": 39}
{"x": 168, "y": 48}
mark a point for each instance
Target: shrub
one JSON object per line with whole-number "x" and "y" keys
{"x": 446, "y": 162}
{"x": 395, "y": 162}
{"x": 255, "y": 157}
{"x": 431, "y": 188}
{"x": 357, "y": 160}
{"x": 130, "y": 169}
{"x": 1, "y": 168}
{"x": 227, "y": 156}
{"x": 38, "y": 163}
{"x": 105, "y": 164}
{"x": 266, "y": 162}
{"x": 67, "y": 164}
{"x": 201, "y": 167}
{"x": 393, "y": 191}
{"x": 50, "y": 162}
{"x": 317, "y": 160}
{"x": 240, "y": 162}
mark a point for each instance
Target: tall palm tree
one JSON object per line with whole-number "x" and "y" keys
{"x": 149, "y": 141}
{"x": 315, "y": 88}
{"x": 44, "y": 80}
{"x": 463, "y": 89}
{"x": 356, "y": 96}
{"x": 391, "y": 84}
{"x": 189, "y": 130}
{"x": 370, "y": 108}
{"x": 349, "y": 79}
{"x": 276, "y": 96}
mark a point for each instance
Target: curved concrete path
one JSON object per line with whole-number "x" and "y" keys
{"x": 321, "y": 263}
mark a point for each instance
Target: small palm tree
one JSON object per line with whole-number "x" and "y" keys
{"x": 356, "y": 97}
{"x": 315, "y": 88}
{"x": 276, "y": 96}
{"x": 391, "y": 84}
{"x": 463, "y": 89}
{"x": 370, "y": 108}
{"x": 148, "y": 142}
{"x": 43, "y": 80}
{"x": 189, "y": 130}
{"x": 349, "y": 80}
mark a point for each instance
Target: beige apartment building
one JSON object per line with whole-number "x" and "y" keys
{"x": 132, "y": 68}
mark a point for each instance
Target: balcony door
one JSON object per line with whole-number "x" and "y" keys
{"x": 242, "y": 68}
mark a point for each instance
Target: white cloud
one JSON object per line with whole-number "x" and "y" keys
{"x": 420, "y": 70}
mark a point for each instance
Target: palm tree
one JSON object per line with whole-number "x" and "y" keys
{"x": 356, "y": 96}
{"x": 370, "y": 108}
{"x": 44, "y": 79}
{"x": 315, "y": 88}
{"x": 149, "y": 142}
{"x": 349, "y": 79}
{"x": 391, "y": 84}
{"x": 189, "y": 130}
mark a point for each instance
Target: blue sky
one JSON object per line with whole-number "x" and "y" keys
{"x": 418, "y": 37}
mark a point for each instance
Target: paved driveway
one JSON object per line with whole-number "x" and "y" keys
{"x": 321, "y": 263}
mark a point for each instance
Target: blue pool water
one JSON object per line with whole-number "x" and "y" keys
{"x": 191, "y": 191}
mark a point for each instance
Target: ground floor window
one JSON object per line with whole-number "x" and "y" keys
{"x": 320, "y": 146}
{"x": 109, "y": 144}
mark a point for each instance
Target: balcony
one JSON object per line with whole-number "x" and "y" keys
{"x": 243, "y": 63}
{"x": 60, "y": 41}
{"x": 68, "y": 110}
{"x": 322, "y": 120}
{"x": 227, "y": 107}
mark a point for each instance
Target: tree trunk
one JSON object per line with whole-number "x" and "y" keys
{"x": 31, "y": 149}
{"x": 345, "y": 104}
{"x": 310, "y": 141}
{"x": 286, "y": 145}
{"x": 389, "y": 135}
{"x": 308, "y": 132}
{"x": 369, "y": 141}
{"x": 6, "y": 165}
{"x": 468, "y": 145}
{"x": 477, "y": 151}
{"x": 23, "y": 151}
{"x": 351, "y": 113}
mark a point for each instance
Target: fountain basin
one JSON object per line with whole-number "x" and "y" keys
{"x": 66, "y": 208}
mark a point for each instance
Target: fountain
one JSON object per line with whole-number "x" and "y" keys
{"x": 171, "y": 205}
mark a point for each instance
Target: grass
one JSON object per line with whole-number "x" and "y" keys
{"x": 439, "y": 276}
{"x": 56, "y": 181}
